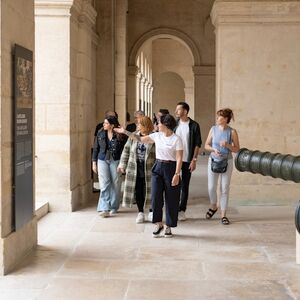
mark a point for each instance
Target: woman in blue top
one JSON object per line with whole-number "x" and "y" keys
{"x": 222, "y": 140}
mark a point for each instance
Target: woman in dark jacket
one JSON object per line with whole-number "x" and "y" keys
{"x": 107, "y": 151}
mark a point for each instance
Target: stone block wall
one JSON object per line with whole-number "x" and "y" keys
{"x": 105, "y": 59}
{"x": 176, "y": 19}
{"x": 17, "y": 26}
{"x": 65, "y": 96}
{"x": 258, "y": 73}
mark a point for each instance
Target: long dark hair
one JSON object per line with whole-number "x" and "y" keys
{"x": 112, "y": 120}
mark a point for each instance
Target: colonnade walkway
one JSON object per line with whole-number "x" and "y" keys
{"x": 82, "y": 256}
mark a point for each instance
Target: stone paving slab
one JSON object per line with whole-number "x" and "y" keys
{"x": 83, "y": 256}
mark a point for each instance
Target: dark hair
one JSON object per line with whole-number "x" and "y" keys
{"x": 113, "y": 121}
{"x": 164, "y": 111}
{"x": 169, "y": 121}
{"x": 184, "y": 106}
{"x": 226, "y": 113}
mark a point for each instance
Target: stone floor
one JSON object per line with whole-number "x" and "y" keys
{"x": 82, "y": 256}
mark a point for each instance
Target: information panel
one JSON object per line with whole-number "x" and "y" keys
{"x": 23, "y": 145}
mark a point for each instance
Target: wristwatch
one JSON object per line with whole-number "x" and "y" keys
{"x": 177, "y": 174}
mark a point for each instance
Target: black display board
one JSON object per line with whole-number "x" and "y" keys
{"x": 23, "y": 138}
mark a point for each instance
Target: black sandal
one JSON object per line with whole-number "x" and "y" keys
{"x": 210, "y": 213}
{"x": 225, "y": 221}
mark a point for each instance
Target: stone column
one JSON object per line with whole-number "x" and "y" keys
{"x": 121, "y": 59}
{"x": 64, "y": 38}
{"x": 132, "y": 89}
{"x": 105, "y": 58}
{"x": 16, "y": 27}
{"x": 151, "y": 101}
{"x": 142, "y": 93}
{"x": 138, "y": 90}
{"x": 189, "y": 98}
{"x": 258, "y": 73}
{"x": 145, "y": 95}
{"x": 149, "y": 98}
{"x": 204, "y": 96}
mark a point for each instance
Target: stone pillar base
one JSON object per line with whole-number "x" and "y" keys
{"x": 17, "y": 245}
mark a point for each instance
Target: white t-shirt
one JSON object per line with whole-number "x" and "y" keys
{"x": 183, "y": 130}
{"x": 166, "y": 146}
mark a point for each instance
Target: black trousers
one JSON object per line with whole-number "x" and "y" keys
{"x": 140, "y": 193}
{"x": 185, "y": 185}
{"x": 162, "y": 174}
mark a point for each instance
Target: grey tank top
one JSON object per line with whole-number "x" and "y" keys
{"x": 219, "y": 135}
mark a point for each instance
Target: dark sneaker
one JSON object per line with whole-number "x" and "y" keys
{"x": 168, "y": 232}
{"x": 157, "y": 231}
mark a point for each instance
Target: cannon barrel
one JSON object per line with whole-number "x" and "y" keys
{"x": 284, "y": 166}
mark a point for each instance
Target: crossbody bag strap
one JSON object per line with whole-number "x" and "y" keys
{"x": 229, "y": 142}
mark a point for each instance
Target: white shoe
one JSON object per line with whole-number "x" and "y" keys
{"x": 104, "y": 214}
{"x": 181, "y": 216}
{"x": 140, "y": 218}
{"x": 168, "y": 233}
{"x": 113, "y": 212}
{"x": 150, "y": 216}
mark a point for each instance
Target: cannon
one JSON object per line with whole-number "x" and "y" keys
{"x": 284, "y": 166}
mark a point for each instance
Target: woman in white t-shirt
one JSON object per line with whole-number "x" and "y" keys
{"x": 165, "y": 173}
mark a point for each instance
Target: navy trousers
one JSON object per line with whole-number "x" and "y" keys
{"x": 162, "y": 174}
{"x": 185, "y": 184}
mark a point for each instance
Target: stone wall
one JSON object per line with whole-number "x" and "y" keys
{"x": 187, "y": 20}
{"x": 105, "y": 58}
{"x": 17, "y": 26}
{"x": 258, "y": 73}
{"x": 168, "y": 91}
{"x": 82, "y": 98}
{"x": 171, "y": 56}
{"x": 65, "y": 97}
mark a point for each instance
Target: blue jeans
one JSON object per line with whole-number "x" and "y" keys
{"x": 110, "y": 185}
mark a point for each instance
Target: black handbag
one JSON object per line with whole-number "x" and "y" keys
{"x": 219, "y": 166}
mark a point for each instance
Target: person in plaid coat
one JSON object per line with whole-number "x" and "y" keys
{"x": 137, "y": 160}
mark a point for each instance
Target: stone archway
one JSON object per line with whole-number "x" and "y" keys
{"x": 148, "y": 37}
{"x": 169, "y": 89}
{"x": 165, "y": 32}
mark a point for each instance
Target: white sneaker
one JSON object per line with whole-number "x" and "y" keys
{"x": 181, "y": 216}
{"x": 113, "y": 212}
{"x": 168, "y": 233}
{"x": 150, "y": 216}
{"x": 140, "y": 218}
{"x": 104, "y": 214}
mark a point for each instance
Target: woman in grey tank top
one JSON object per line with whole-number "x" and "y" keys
{"x": 222, "y": 140}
